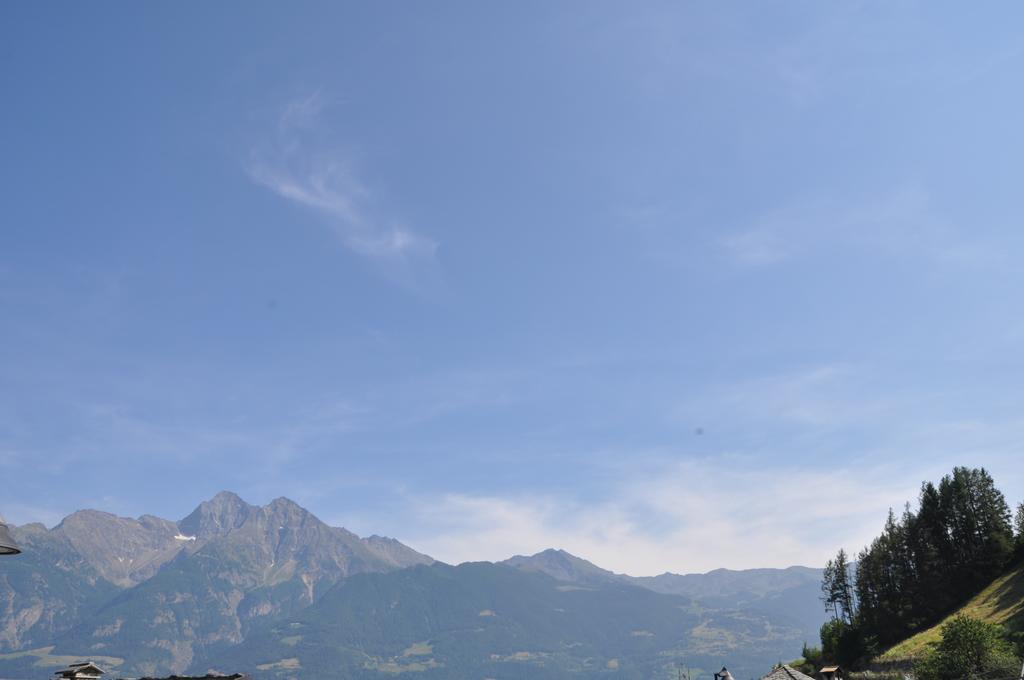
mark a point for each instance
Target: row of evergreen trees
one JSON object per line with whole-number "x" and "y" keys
{"x": 923, "y": 565}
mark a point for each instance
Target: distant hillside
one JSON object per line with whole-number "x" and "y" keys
{"x": 1001, "y": 602}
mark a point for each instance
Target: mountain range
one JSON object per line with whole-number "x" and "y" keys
{"x": 276, "y": 592}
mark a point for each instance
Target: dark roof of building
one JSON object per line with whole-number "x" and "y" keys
{"x": 79, "y": 667}
{"x": 208, "y": 676}
{"x": 785, "y": 672}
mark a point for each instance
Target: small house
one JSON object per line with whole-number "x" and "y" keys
{"x": 784, "y": 672}
{"x": 86, "y": 670}
{"x": 831, "y": 673}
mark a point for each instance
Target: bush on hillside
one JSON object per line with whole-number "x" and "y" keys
{"x": 969, "y": 649}
{"x": 809, "y": 662}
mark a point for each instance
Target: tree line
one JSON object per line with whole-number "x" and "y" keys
{"x": 924, "y": 565}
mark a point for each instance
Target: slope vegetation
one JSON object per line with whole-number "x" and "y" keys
{"x": 1001, "y": 602}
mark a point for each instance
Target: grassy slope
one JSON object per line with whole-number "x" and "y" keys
{"x": 1001, "y": 602}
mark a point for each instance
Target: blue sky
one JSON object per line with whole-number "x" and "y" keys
{"x": 673, "y": 285}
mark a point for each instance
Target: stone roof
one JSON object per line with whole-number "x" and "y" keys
{"x": 785, "y": 672}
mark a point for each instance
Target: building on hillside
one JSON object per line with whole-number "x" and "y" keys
{"x": 784, "y": 672}
{"x": 90, "y": 671}
{"x": 86, "y": 670}
{"x": 831, "y": 673}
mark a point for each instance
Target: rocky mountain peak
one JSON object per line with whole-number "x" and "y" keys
{"x": 216, "y": 517}
{"x": 563, "y": 566}
{"x": 282, "y": 541}
{"x": 286, "y": 508}
{"x": 124, "y": 551}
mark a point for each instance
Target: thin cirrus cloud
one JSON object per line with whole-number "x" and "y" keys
{"x": 825, "y": 396}
{"x": 700, "y": 514}
{"x": 687, "y": 516}
{"x": 901, "y": 223}
{"x": 304, "y": 167}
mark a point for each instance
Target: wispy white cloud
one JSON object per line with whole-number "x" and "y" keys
{"x": 858, "y": 448}
{"x": 831, "y": 51}
{"x": 903, "y": 223}
{"x": 822, "y": 396}
{"x": 683, "y": 517}
{"x": 758, "y": 247}
{"x": 302, "y": 165}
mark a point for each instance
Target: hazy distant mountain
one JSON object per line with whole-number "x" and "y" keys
{"x": 565, "y": 567}
{"x": 734, "y": 587}
{"x": 790, "y": 595}
{"x": 393, "y": 552}
{"x": 483, "y": 620}
{"x": 275, "y": 591}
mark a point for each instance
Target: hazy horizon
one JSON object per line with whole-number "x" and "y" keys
{"x": 367, "y": 535}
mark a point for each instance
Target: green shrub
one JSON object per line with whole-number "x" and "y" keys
{"x": 969, "y": 649}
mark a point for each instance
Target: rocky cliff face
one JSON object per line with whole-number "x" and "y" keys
{"x": 47, "y": 589}
{"x": 218, "y": 516}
